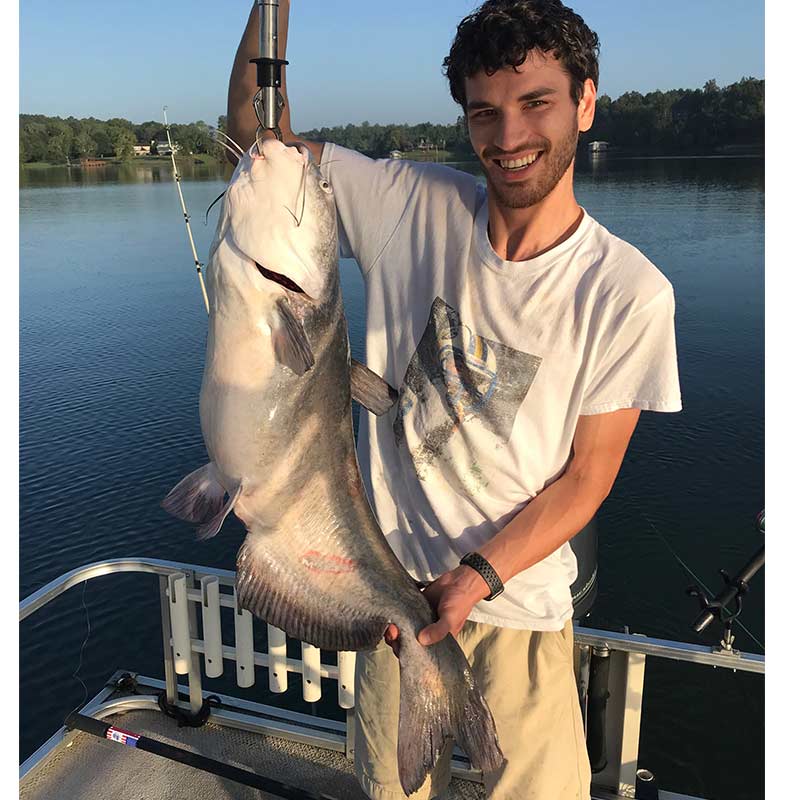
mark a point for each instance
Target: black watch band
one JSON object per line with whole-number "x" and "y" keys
{"x": 477, "y": 562}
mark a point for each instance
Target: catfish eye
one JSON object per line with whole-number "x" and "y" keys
{"x": 325, "y": 186}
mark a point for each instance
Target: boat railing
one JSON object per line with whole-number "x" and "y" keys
{"x": 192, "y": 595}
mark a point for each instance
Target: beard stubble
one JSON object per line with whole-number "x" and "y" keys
{"x": 529, "y": 193}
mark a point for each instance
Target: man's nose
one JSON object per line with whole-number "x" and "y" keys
{"x": 511, "y": 133}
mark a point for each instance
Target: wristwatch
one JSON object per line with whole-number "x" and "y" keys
{"x": 477, "y": 562}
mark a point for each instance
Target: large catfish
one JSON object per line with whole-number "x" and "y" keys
{"x": 275, "y": 408}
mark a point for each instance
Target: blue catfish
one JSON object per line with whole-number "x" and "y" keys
{"x": 275, "y": 409}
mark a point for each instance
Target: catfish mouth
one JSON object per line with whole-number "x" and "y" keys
{"x": 282, "y": 280}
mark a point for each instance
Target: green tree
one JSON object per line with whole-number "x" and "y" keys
{"x": 123, "y": 140}
{"x": 83, "y": 145}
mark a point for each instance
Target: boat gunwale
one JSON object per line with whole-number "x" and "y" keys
{"x": 590, "y": 637}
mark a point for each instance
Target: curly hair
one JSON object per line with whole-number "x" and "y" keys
{"x": 501, "y": 33}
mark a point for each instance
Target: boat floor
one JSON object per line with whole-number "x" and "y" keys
{"x": 90, "y": 768}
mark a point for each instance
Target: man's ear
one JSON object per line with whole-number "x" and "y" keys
{"x": 586, "y": 105}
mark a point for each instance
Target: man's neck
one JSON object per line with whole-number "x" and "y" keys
{"x": 519, "y": 234}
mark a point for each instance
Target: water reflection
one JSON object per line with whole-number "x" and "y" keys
{"x": 129, "y": 172}
{"x": 734, "y": 172}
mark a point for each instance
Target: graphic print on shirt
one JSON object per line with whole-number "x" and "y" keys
{"x": 459, "y": 382}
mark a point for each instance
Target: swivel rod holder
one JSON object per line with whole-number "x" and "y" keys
{"x": 735, "y": 589}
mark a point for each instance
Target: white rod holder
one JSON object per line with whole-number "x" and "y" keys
{"x": 245, "y": 662}
{"x": 278, "y": 673}
{"x": 312, "y": 680}
{"x": 212, "y": 630}
{"x": 179, "y": 621}
{"x": 347, "y": 679}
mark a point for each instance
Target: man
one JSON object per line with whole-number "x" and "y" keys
{"x": 524, "y": 340}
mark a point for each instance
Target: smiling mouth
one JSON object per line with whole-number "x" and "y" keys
{"x": 516, "y": 164}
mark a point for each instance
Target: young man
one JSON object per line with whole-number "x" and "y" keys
{"x": 524, "y": 340}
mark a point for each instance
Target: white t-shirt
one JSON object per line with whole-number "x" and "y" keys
{"x": 494, "y": 362}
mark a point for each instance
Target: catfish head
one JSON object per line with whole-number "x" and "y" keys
{"x": 280, "y": 213}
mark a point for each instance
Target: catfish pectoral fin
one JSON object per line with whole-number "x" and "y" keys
{"x": 369, "y": 389}
{"x": 289, "y": 340}
{"x": 200, "y": 498}
{"x": 211, "y": 528}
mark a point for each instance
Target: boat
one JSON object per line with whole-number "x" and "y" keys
{"x": 197, "y": 743}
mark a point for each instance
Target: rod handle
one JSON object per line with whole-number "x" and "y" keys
{"x": 87, "y": 724}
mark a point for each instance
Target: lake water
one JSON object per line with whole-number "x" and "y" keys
{"x": 112, "y": 335}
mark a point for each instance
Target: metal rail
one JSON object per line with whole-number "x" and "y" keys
{"x": 629, "y": 643}
{"x": 666, "y": 648}
{"x": 87, "y": 572}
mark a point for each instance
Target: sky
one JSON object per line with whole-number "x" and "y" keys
{"x": 350, "y": 60}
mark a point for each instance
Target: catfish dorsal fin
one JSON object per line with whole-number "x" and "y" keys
{"x": 370, "y": 389}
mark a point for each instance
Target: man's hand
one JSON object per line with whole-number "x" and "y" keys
{"x": 452, "y": 596}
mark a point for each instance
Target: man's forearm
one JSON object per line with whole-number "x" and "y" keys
{"x": 242, "y": 87}
{"x": 553, "y": 517}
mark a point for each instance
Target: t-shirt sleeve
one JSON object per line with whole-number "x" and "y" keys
{"x": 371, "y": 198}
{"x": 637, "y": 365}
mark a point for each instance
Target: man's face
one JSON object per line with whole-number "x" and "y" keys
{"x": 524, "y": 126}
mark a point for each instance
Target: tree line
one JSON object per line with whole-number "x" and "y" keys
{"x": 57, "y": 140}
{"x": 675, "y": 121}
{"x": 679, "y": 120}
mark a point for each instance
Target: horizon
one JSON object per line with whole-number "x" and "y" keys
{"x": 327, "y": 81}
{"x": 362, "y": 122}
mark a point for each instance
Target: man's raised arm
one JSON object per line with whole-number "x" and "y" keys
{"x": 242, "y": 88}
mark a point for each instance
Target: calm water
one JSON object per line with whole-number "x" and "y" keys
{"x": 112, "y": 332}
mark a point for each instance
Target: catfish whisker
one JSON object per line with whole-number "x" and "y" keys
{"x": 225, "y": 143}
{"x": 303, "y": 206}
{"x": 226, "y": 146}
{"x": 213, "y": 204}
{"x": 293, "y": 216}
{"x": 220, "y": 132}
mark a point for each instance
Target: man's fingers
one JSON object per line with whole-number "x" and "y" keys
{"x": 434, "y": 633}
{"x": 392, "y": 637}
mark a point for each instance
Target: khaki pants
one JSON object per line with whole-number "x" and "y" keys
{"x": 528, "y": 681}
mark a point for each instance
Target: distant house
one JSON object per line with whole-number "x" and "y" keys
{"x": 163, "y": 148}
{"x": 598, "y": 147}
{"x": 141, "y": 149}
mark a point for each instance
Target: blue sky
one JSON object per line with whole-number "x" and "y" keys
{"x": 351, "y": 60}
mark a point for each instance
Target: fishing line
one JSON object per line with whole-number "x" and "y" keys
{"x": 694, "y": 576}
{"x": 80, "y": 654}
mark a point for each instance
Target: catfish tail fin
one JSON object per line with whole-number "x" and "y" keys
{"x": 439, "y": 699}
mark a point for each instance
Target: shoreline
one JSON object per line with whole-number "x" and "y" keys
{"x": 204, "y": 158}
{"x": 445, "y": 157}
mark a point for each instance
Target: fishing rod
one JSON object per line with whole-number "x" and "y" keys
{"x": 177, "y": 176}
{"x": 268, "y": 101}
{"x": 103, "y": 730}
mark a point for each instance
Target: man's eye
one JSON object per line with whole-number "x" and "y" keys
{"x": 535, "y": 103}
